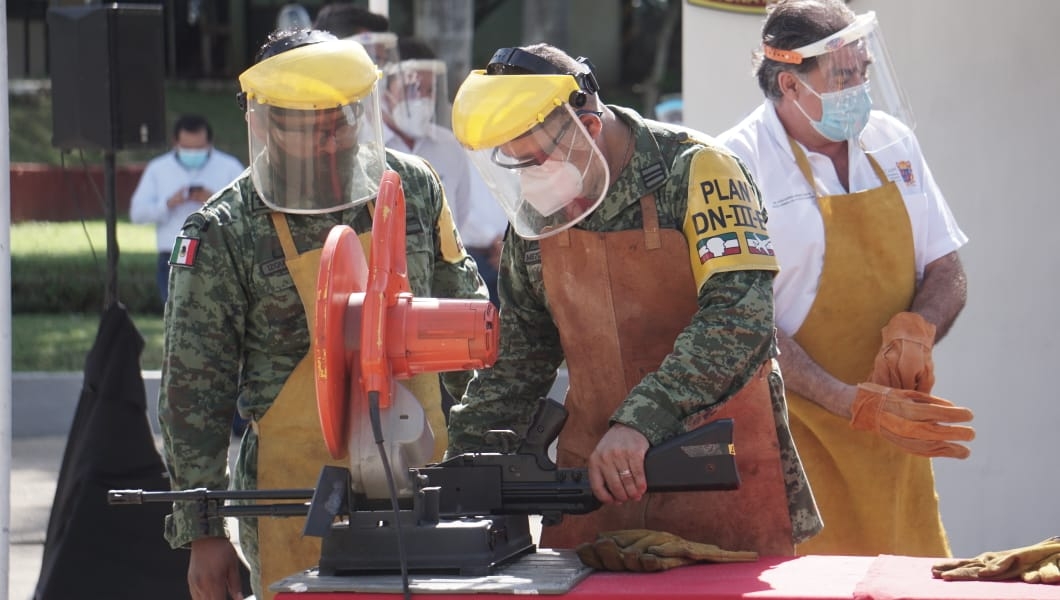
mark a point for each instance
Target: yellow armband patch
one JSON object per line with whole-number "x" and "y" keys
{"x": 725, "y": 224}
{"x": 451, "y": 245}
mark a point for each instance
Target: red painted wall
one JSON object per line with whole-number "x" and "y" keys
{"x": 49, "y": 193}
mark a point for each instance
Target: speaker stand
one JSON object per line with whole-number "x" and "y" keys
{"x": 110, "y": 214}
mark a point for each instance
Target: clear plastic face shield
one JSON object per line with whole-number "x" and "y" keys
{"x": 853, "y": 76}
{"x": 414, "y": 96}
{"x": 547, "y": 179}
{"x": 293, "y": 16}
{"x": 381, "y": 46}
{"x": 316, "y": 161}
{"x": 315, "y": 135}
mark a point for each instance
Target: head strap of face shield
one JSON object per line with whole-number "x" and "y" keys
{"x": 290, "y": 41}
{"x": 515, "y": 61}
{"x": 858, "y": 28}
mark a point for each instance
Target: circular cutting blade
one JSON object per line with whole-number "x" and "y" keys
{"x": 343, "y": 271}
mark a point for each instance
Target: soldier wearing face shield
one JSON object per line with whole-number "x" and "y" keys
{"x": 243, "y": 287}
{"x": 638, "y": 253}
{"x": 870, "y": 277}
{"x": 414, "y": 97}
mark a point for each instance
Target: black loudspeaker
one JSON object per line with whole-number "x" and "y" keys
{"x": 108, "y": 73}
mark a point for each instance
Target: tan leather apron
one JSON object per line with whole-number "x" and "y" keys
{"x": 874, "y": 497}
{"x": 620, "y": 299}
{"x": 291, "y": 449}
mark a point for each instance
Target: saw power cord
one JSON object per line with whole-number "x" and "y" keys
{"x": 377, "y": 430}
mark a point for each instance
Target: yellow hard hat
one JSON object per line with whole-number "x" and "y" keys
{"x": 490, "y": 110}
{"x": 328, "y": 74}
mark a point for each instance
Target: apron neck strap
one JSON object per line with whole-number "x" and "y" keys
{"x": 807, "y": 172}
{"x": 279, "y": 221}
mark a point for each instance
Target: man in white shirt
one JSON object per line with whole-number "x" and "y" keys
{"x": 177, "y": 183}
{"x": 415, "y": 94}
{"x": 869, "y": 277}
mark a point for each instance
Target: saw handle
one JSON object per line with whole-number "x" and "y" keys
{"x": 387, "y": 279}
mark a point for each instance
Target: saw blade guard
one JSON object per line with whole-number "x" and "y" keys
{"x": 370, "y": 331}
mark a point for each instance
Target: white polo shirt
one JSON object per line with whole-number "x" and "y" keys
{"x": 795, "y": 224}
{"x": 162, "y": 177}
{"x": 478, "y": 217}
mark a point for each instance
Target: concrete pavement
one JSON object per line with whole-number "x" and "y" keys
{"x": 43, "y": 406}
{"x": 34, "y": 471}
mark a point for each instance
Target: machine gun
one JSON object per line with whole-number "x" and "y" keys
{"x": 468, "y": 512}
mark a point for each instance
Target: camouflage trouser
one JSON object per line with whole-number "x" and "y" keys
{"x": 245, "y": 477}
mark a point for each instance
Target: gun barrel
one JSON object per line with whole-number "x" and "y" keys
{"x": 125, "y": 497}
{"x": 203, "y": 494}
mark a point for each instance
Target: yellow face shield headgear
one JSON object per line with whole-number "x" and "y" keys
{"x": 315, "y": 130}
{"x": 527, "y": 140}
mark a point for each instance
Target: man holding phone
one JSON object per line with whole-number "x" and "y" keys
{"x": 177, "y": 183}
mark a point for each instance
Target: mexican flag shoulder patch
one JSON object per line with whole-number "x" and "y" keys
{"x": 184, "y": 250}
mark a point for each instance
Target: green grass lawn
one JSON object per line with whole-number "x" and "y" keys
{"x": 77, "y": 238}
{"x": 60, "y": 342}
{"x": 41, "y": 342}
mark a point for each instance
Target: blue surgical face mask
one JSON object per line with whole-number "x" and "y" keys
{"x": 192, "y": 158}
{"x": 843, "y": 114}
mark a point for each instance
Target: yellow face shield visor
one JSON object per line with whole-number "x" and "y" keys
{"x": 490, "y": 110}
{"x": 316, "y": 76}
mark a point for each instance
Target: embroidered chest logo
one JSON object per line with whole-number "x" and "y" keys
{"x": 274, "y": 266}
{"x": 905, "y": 169}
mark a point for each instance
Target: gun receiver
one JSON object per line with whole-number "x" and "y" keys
{"x": 528, "y": 482}
{"x": 524, "y": 482}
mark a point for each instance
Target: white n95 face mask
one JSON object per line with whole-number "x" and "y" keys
{"x": 414, "y": 117}
{"x": 550, "y": 186}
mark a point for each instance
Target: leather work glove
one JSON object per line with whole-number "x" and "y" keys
{"x": 1033, "y": 564}
{"x": 904, "y": 360}
{"x": 1047, "y": 570}
{"x": 647, "y": 551}
{"x": 911, "y": 420}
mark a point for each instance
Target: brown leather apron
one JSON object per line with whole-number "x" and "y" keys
{"x": 620, "y": 299}
{"x": 874, "y": 497}
{"x": 291, "y": 449}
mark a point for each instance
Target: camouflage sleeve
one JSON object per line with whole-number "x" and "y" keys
{"x": 200, "y": 368}
{"x": 730, "y": 336}
{"x": 505, "y": 396}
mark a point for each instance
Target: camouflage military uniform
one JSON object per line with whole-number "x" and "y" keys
{"x": 710, "y": 359}
{"x": 236, "y": 328}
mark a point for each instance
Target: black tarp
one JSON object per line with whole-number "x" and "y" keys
{"x": 93, "y": 549}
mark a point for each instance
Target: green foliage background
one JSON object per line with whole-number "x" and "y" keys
{"x": 31, "y": 123}
{"x": 58, "y": 269}
{"x": 57, "y": 284}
